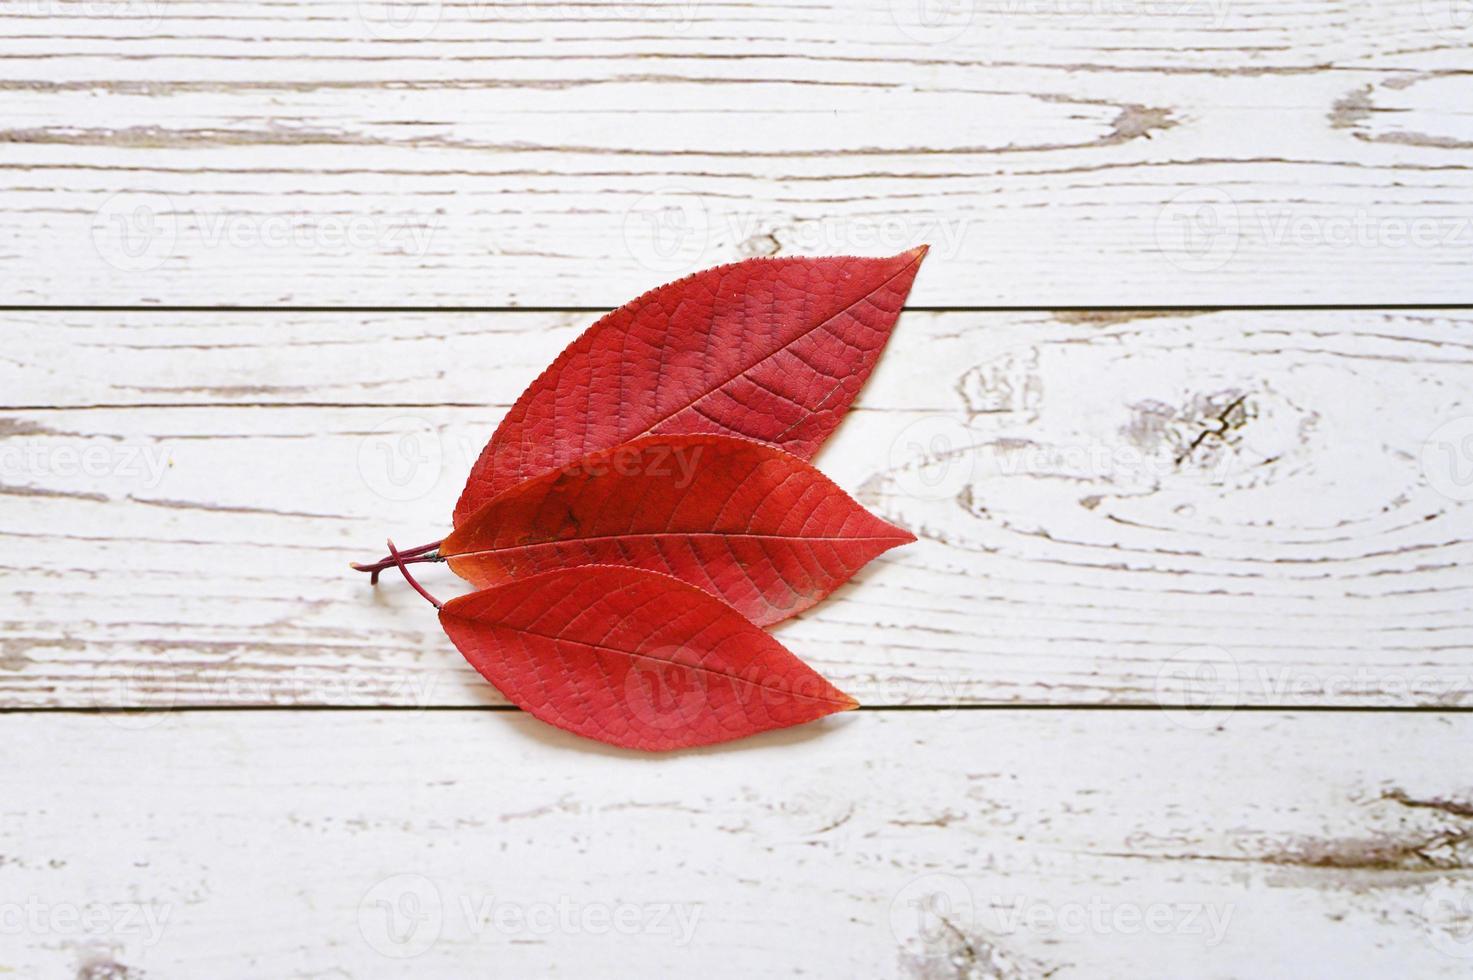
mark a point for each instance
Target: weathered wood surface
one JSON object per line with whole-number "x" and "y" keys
{"x": 1228, "y": 508}
{"x": 1009, "y": 844}
{"x": 1182, "y": 512}
{"x": 478, "y": 154}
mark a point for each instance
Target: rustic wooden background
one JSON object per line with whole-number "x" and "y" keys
{"x": 1176, "y": 683}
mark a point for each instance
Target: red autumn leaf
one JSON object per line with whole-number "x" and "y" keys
{"x": 634, "y": 658}
{"x": 767, "y": 349}
{"x": 755, "y": 526}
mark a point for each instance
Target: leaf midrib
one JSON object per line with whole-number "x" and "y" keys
{"x": 669, "y": 663}
{"x": 678, "y": 534}
{"x": 770, "y": 355}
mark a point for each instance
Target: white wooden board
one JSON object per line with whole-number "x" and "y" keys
{"x": 1006, "y": 844}
{"x": 431, "y": 154}
{"x": 1229, "y": 508}
{"x": 1132, "y": 522}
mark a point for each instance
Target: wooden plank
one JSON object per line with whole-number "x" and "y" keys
{"x": 1254, "y": 508}
{"x": 204, "y": 152}
{"x": 1006, "y": 843}
{"x": 973, "y": 364}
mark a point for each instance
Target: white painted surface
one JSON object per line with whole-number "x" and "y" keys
{"x": 1063, "y": 844}
{"x": 1113, "y": 509}
{"x": 489, "y": 154}
{"x": 1172, "y": 511}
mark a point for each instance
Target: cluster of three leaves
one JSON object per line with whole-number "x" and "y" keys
{"x": 647, "y": 505}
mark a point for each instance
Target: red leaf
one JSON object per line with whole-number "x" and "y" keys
{"x": 634, "y": 658}
{"x": 768, "y": 349}
{"x": 753, "y": 525}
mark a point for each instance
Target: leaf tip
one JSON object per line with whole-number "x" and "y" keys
{"x": 918, "y": 253}
{"x": 901, "y": 536}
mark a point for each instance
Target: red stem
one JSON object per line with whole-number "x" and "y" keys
{"x": 411, "y": 556}
{"x": 398, "y": 558}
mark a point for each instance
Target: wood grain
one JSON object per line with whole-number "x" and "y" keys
{"x": 1163, "y": 514}
{"x": 1191, "y": 509}
{"x": 1010, "y": 844}
{"x": 479, "y": 154}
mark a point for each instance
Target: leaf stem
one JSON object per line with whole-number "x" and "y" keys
{"x": 398, "y": 559}
{"x": 411, "y": 556}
